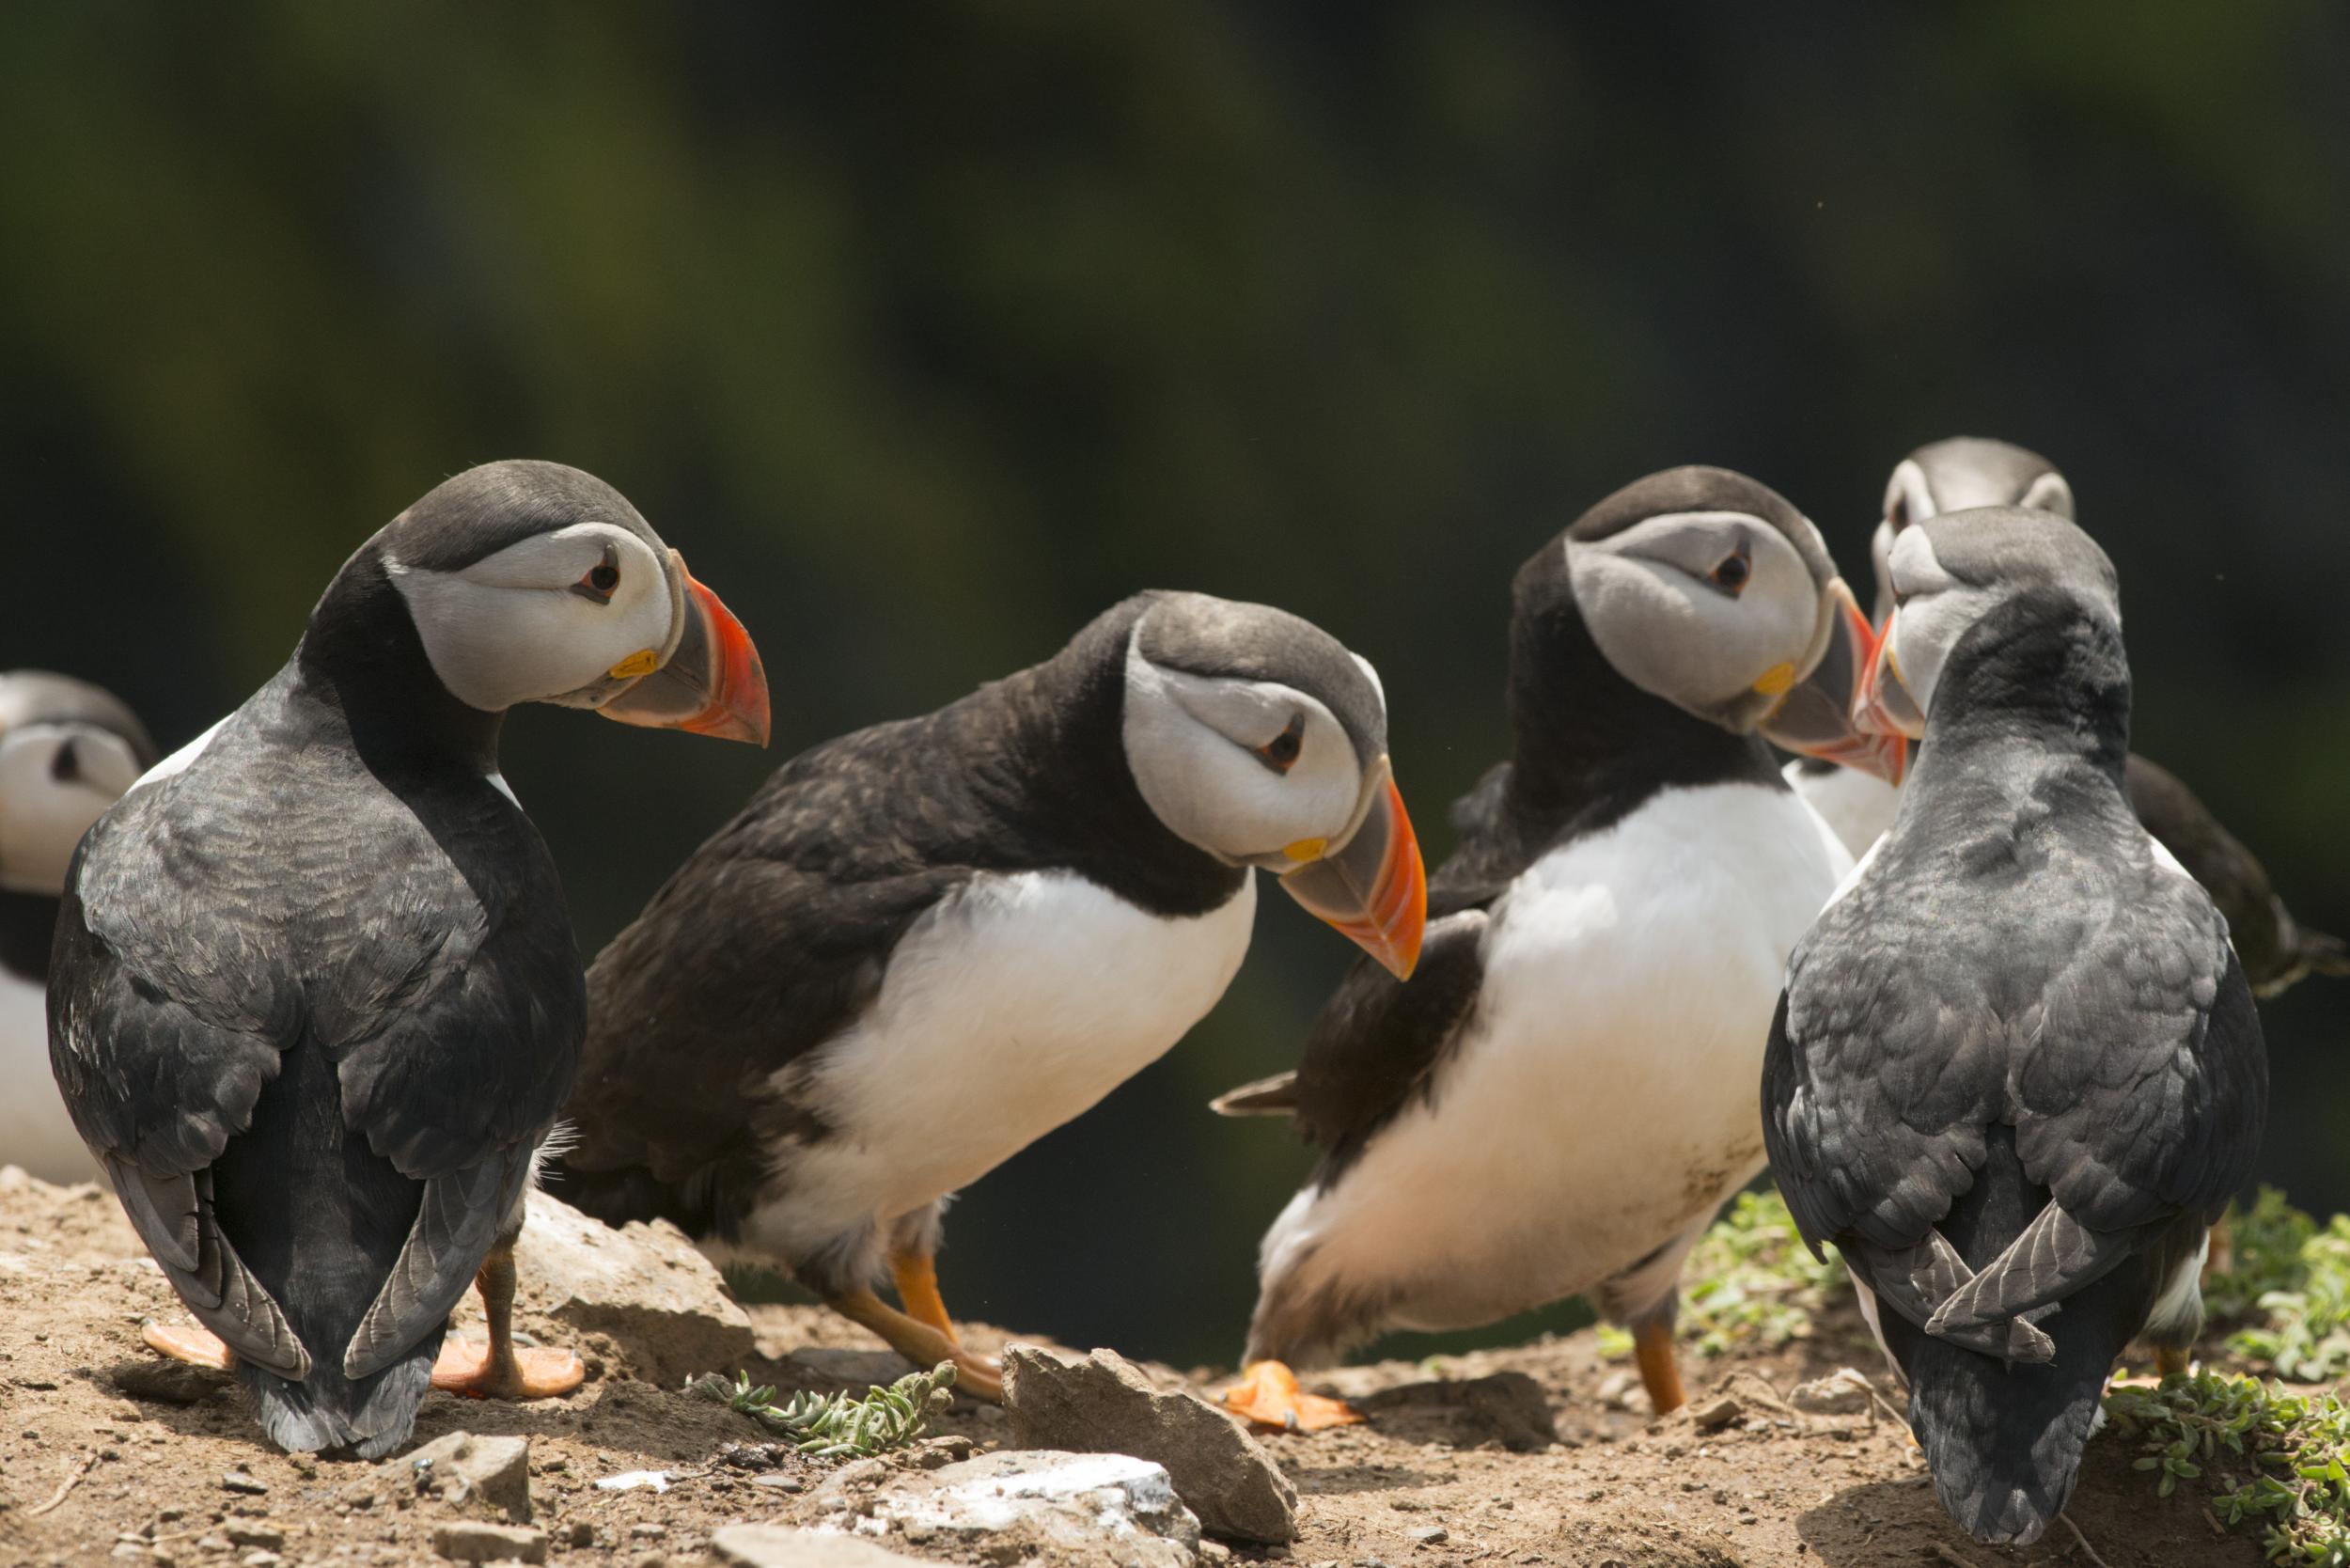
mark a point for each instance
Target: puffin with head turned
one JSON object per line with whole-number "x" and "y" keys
{"x": 68, "y": 750}
{"x": 315, "y": 998}
{"x": 1965, "y": 473}
{"x": 1562, "y": 1097}
{"x": 925, "y": 945}
{"x": 2017, "y": 1070}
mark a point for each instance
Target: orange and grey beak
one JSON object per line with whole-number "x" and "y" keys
{"x": 1882, "y": 704}
{"x": 1374, "y": 892}
{"x": 1817, "y": 715}
{"x": 712, "y": 683}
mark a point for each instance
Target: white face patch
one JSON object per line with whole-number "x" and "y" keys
{"x": 510, "y": 628}
{"x": 55, "y": 779}
{"x": 1195, "y": 746}
{"x": 1652, "y": 600}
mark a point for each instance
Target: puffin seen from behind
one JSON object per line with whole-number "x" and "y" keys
{"x": 1964, "y": 473}
{"x": 315, "y": 997}
{"x": 2017, "y": 1070}
{"x": 1563, "y": 1096}
{"x": 68, "y": 750}
{"x": 925, "y": 945}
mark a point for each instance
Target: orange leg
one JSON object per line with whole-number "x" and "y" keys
{"x": 917, "y": 1275}
{"x": 2167, "y": 1361}
{"x": 1660, "y": 1374}
{"x": 198, "y": 1347}
{"x": 1268, "y": 1395}
{"x": 2222, "y": 1258}
{"x": 501, "y": 1369}
{"x": 922, "y": 1343}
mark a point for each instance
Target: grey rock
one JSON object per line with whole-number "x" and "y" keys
{"x": 780, "y": 1546}
{"x": 644, "y": 1285}
{"x": 1842, "y": 1392}
{"x": 1106, "y": 1404}
{"x": 467, "y": 1469}
{"x": 241, "y": 1480}
{"x": 473, "y": 1541}
{"x": 1713, "y": 1415}
{"x": 1072, "y": 1509}
{"x": 254, "y": 1533}
{"x": 1428, "y": 1535}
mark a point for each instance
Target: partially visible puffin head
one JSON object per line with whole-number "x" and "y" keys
{"x": 533, "y": 582}
{"x": 1706, "y": 588}
{"x": 1961, "y": 473}
{"x": 1950, "y": 574}
{"x": 1258, "y": 737}
{"x": 68, "y": 750}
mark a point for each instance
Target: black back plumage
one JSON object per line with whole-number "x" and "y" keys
{"x": 1591, "y": 748}
{"x": 2018, "y": 1024}
{"x": 774, "y": 936}
{"x": 315, "y": 999}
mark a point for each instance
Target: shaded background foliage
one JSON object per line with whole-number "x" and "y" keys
{"x": 927, "y": 331}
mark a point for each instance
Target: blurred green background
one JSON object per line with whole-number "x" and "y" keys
{"x": 928, "y": 331}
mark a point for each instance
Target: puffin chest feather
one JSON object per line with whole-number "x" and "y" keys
{"x": 1010, "y": 1009}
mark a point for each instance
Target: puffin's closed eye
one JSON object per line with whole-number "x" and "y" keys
{"x": 1280, "y": 753}
{"x": 601, "y": 578}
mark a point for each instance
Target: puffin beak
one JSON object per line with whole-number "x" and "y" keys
{"x": 1883, "y": 705}
{"x": 711, "y": 684}
{"x": 1374, "y": 891}
{"x": 1818, "y": 715}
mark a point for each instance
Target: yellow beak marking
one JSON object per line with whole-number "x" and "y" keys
{"x": 1307, "y": 849}
{"x": 643, "y": 661}
{"x": 1775, "y": 681}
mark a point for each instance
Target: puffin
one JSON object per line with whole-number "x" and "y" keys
{"x": 1562, "y": 1097}
{"x": 68, "y": 750}
{"x": 922, "y": 946}
{"x": 2017, "y": 1070}
{"x": 315, "y": 998}
{"x": 1967, "y": 471}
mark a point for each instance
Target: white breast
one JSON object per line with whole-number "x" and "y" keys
{"x": 35, "y": 1131}
{"x": 1858, "y": 806}
{"x": 1011, "y": 1007}
{"x": 1607, "y": 1094}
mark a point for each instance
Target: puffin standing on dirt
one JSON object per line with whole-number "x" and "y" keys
{"x": 68, "y": 750}
{"x": 1563, "y": 1096}
{"x": 925, "y": 945}
{"x": 2016, "y": 1071}
{"x": 315, "y": 997}
{"x": 1966, "y": 473}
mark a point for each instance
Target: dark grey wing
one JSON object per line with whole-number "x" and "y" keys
{"x": 2114, "y": 1032}
{"x": 768, "y": 942}
{"x": 157, "y": 1085}
{"x": 464, "y": 1030}
{"x": 2275, "y": 948}
{"x": 1379, "y": 1041}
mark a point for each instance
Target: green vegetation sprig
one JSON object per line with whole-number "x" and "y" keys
{"x": 837, "y": 1426}
{"x": 1750, "y": 1282}
{"x": 2273, "y": 1457}
{"x": 2290, "y": 1278}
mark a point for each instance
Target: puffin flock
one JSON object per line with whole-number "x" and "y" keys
{"x": 1973, "y": 980}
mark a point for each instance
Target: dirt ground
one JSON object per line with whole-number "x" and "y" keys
{"x": 101, "y": 1461}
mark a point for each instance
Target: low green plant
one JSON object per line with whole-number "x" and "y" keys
{"x": 2268, "y": 1455}
{"x": 830, "y": 1426}
{"x": 1750, "y": 1282}
{"x": 2286, "y": 1290}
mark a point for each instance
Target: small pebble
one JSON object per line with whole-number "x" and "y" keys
{"x": 239, "y": 1481}
{"x": 248, "y": 1532}
{"x": 1428, "y": 1535}
{"x": 648, "y": 1531}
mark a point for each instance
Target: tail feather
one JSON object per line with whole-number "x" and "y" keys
{"x": 372, "y": 1416}
{"x": 2002, "y": 1443}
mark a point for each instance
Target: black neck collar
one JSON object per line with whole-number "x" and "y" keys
{"x": 363, "y": 658}
{"x": 2042, "y": 672}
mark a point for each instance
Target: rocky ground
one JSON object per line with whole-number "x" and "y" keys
{"x": 1541, "y": 1455}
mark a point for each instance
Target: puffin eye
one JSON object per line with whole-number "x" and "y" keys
{"x": 601, "y": 578}
{"x": 1280, "y": 753}
{"x": 1897, "y": 514}
{"x": 66, "y": 766}
{"x": 1731, "y": 575}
